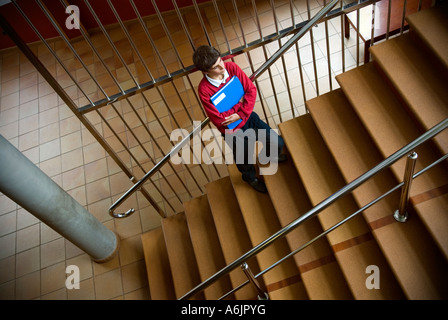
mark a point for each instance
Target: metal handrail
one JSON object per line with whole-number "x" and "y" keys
{"x": 311, "y": 23}
{"x": 151, "y": 172}
{"x": 234, "y": 52}
{"x": 323, "y": 205}
{"x": 337, "y": 225}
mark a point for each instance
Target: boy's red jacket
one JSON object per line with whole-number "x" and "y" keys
{"x": 244, "y": 108}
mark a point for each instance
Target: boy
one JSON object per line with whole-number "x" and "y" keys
{"x": 208, "y": 60}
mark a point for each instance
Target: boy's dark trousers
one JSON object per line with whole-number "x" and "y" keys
{"x": 243, "y": 141}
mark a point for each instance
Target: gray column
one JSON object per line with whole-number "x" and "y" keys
{"x": 24, "y": 183}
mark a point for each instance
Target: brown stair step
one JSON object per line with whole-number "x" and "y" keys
{"x": 206, "y": 245}
{"x": 391, "y": 127}
{"x": 355, "y": 154}
{"x": 432, "y": 202}
{"x": 320, "y": 271}
{"x": 181, "y": 255}
{"x": 262, "y": 222}
{"x": 419, "y": 84}
{"x": 321, "y": 178}
{"x": 232, "y": 233}
{"x": 319, "y": 174}
{"x": 430, "y": 25}
{"x": 158, "y": 268}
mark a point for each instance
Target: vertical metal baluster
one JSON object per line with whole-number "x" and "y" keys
{"x": 138, "y": 52}
{"x": 401, "y": 215}
{"x": 154, "y": 141}
{"x": 179, "y": 15}
{"x": 167, "y": 33}
{"x": 184, "y": 26}
{"x": 403, "y": 16}
{"x": 129, "y": 37}
{"x": 111, "y": 43}
{"x": 71, "y": 105}
{"x": 285, "y": 71}
{"x": 167, "y": 135}
{"x": 313, "y": 52}
{"x": 215, "y": 5}
{"x": 372, "y": 34}
{"x": 179, "y": 96}
{"x": 254, "y": 6}
{"x": 134, "y": 47}
{"x": 132, "y": 156}
{"x": 154, "y": 47}
{"x": 357, "y": 37}
{"x": 158, "y": 89}
{"x": 262, "y": 294}
{"x": 249, "y": 57}
{"x": 389, "y": 11}
{"x": 260, "y": 32}
{"x": 146, "y": 152}
{"x": 173, "y": 45}
{"x": 301, "y": 77}
{"x": 42, "y": 39}
{"x": 235, "y": 7}
{"x": 151, "y": 41}
{"x": 327, "y": 42}
{"x": 291, "y": 10}
{"x": 343, "y": 38}
{"x": 198, "y": 12}
{"x": 149, "y": 73}
{"x": 298, "y": 58}
{"x": 69, "y": 45}
{"x": 87, "y": 39}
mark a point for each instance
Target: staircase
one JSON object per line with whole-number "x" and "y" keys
{"x": 379, "y": 107}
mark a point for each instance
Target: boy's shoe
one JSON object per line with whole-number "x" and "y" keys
{"x": 258, "y": 185}
{"x": 282, "y": 158}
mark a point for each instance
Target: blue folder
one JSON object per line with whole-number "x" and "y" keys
{"x": 228, "y": 96}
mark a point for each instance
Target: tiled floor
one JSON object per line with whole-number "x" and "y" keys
{"x": 33, "y": 257}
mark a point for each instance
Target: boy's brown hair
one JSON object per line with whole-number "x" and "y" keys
{"x": 205, "y": 57}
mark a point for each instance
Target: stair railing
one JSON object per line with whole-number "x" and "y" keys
{"x": 400, "y": 214}
{"x": 277, "y": 55}
{"x": 407, "y": 150}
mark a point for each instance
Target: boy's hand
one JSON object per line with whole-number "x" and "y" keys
{"x": 232, "y": 118}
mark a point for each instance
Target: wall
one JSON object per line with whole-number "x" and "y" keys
{"x": 55, "y": 7}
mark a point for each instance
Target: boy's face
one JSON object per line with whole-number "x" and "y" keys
{"x": 217, "y": 70}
